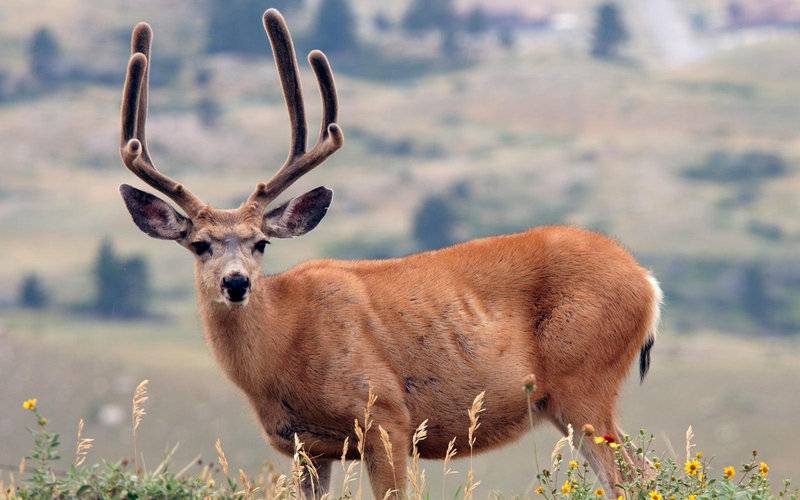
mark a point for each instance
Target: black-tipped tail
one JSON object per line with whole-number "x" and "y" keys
{"x": 644, "y": 358}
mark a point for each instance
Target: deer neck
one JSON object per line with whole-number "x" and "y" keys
{"x": 245, "y": 340}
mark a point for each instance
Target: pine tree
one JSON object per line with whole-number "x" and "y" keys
{"x": 434, "y": 223}
{"x": 477, "y": 21}
{"x": 44, "y": 56}
{"x": 122, "y": 285}
{"x": 609, "y": 32}
{"x": 32, "y": 294}
{"x": 429, "y": 15}
{"x": 236, "y": 25}
{"x": 334, "y": 27}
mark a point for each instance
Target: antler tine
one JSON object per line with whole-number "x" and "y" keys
{"x": 133, "y": 140}
{"x": 299, "y": 161}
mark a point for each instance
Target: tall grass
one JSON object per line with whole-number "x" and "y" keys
{"x": 567, "y": 475}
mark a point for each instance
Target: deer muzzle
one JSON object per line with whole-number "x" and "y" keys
{"x": 235, "y": 288}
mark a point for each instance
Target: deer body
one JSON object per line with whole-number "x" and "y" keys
{"x": 426, "y": 332}
{"x": 431, "y": 331}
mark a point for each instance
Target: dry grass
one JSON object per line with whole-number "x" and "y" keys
{"x": 660, "y": 476}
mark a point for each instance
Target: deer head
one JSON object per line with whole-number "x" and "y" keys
{"x": 229, "y": 244}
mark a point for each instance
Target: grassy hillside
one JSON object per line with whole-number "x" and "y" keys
{"x": 728, "y": 390}
{"x": 538, "y": 134}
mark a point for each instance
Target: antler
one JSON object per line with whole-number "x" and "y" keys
{"x": 299, "y": 161}
{"x": 133, "y": 142}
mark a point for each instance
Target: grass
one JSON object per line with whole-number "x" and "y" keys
{"x": 522, "y": 126}
{"x": 85, "y": 369}
{"x": 642, "y": 473}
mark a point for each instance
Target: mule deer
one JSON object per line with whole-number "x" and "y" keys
{"x": 428, "y": 332}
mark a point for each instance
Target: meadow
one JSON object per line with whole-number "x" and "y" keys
{"x": 537, "y": 135}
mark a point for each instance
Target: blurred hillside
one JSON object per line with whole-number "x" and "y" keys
{"x": 684, "y": 146}
{"x": 511, "y": 136}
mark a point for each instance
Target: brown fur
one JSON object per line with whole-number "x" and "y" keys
{"x": 431, "y": 331}
{"x": 427, "y": 332}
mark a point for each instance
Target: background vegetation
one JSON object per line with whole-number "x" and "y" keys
{"x": 679, "y": 139}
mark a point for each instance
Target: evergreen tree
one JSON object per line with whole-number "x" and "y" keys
{"x": 506, "y": 38}
{"x": 434, "y": 223}
{"x": 44, "y": 56}
{"x": 123, "y": 285}
{"x": 208, "y": 111}
{"x": 32, "y": 294}
{"x": 236, "y": 25}
{"x": 755, "y": 297}
{"x": 477, "y": 22}
{"x": 429, "y": 15}
{"x": 609, "y": 31}
{"x": 382, "y": 22}
{"x": 334, "y": 27}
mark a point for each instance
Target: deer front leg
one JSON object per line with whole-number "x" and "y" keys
{"x": 387, "y": 475}
{"x": 313, "y": 488}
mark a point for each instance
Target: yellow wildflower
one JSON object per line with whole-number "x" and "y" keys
{"x": 614, "y": 445}
{"x": 29, "y": 404}
{"x": 699, "y": 455}
{"x": 599, "y": 440}
{"x": 763, "y": 469}
{"x": 567, "y": 487}
{"x": 691, "y": 497}
{"x": 657, "y": 465}
{"x": 573, "y": 464}
{"x": 730, "y": 472}
{"x": 539, "y": 490}
{"x": 599, "y": 492}
{"x": 692, "y": 467}
{"x": 654, "y": 495}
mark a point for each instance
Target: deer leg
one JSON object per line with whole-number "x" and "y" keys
{"x": 387, "y": 475}
{"x": 314, "y": 488}
{"x": 601, "y": 457}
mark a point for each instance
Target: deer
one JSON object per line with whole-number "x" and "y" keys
{"x": 427, "y": 332}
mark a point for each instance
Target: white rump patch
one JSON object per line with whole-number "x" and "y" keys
{"x": 655, "y": 311}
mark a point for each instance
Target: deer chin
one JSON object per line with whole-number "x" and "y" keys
{"x": 222, "y": 298}
{"x": 234, "y": 303}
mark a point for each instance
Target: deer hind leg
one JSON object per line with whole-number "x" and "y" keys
{"x": 601, "y": 457}
{"x": 314, "y": 488}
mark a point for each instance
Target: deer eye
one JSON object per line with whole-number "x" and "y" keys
{"x": 201, "y": 247}
{"x": 261, "y": 246}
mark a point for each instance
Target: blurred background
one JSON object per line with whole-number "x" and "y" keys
{"x": 671, "y": 125}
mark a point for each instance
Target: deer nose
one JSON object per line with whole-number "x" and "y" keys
{"x": 236, "y": 286}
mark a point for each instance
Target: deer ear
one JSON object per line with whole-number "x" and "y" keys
{"x": 298, "y": 215}
{"x": 153, "y": 215}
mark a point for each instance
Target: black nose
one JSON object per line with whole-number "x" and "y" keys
{"x": 236, "y": 286}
